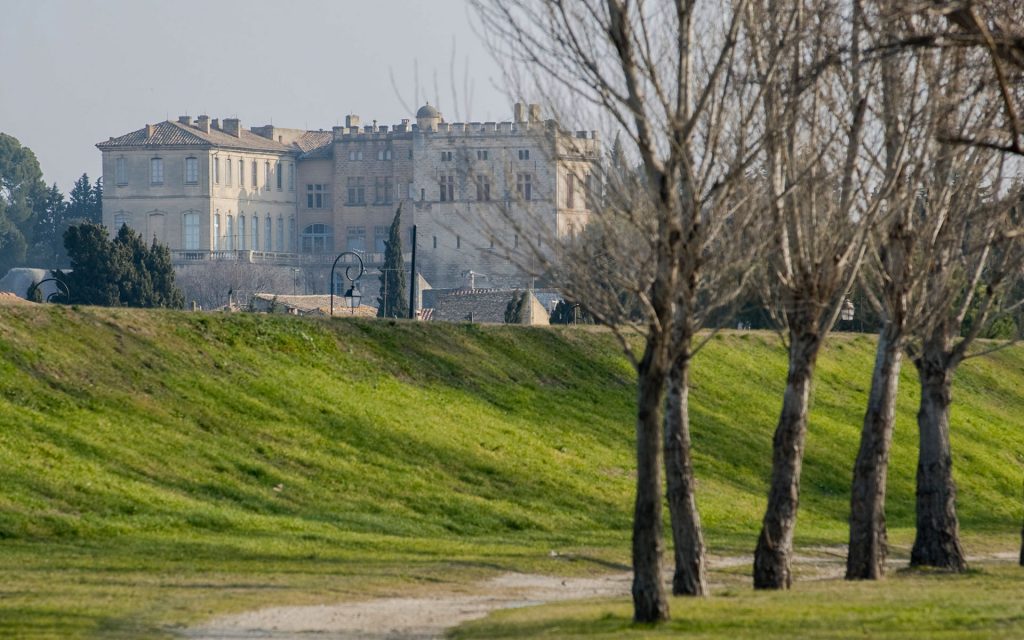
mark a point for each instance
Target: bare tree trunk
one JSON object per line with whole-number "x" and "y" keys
{"x": 775, "y": 544}
{"x": 650, "y": 603}
{"x": 865, "y": 559}
{"x": 937, "y": 543}
{"x": 690, "y": 577}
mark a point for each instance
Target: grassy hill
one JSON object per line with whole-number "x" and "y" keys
{"x": 159, "y": 466}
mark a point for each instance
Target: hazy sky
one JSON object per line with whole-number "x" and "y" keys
{"x": 75, "y": 72}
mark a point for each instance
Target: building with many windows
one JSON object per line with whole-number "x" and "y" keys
{"x": 480, "y": 193}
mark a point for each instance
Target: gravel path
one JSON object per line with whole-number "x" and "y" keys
{"x": 406, "y": 618}
{"x": 430, "y": 616}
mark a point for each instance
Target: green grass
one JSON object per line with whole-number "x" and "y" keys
{"x": 980, "y": 604}
{"x": 159, "y": 467}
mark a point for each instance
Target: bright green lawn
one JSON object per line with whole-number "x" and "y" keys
{"x": 982, "y": 604}
{"x": 161, "y": 466}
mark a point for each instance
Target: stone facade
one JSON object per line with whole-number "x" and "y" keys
{"x": 484, "y": 197}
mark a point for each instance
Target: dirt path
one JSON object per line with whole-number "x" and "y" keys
{"x": 430, "y": 616}
{"x": 407, "y": 618}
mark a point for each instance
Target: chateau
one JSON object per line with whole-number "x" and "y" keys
{"x": 480, "y": 193}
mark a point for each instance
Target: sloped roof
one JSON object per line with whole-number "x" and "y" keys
{"x": 169, "y": 133}
{"x": 313, "y": 140}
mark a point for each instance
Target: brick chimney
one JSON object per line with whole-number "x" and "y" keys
{"x": 203, "y": 123}
{"x": 233, "y": 127}
{"x": 215, "y": 123}
{"x": 186, "y": 120}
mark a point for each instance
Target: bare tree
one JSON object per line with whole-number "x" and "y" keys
{"x": 661, "y": 250}
{"x": 208, "y": 284}
{"x": 973, "y": 265}
{"x": 820, "y": 206}
{"x": 916, "y": 103}
{"x": 996, "y": 29}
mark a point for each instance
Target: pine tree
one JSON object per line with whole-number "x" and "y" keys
{"x": 392, "y": 301}
{"x": 161, "y": 271}
{"x": 48, "y": 244}
{"x": 121, "y": 272}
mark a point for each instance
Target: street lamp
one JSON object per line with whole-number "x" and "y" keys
{"x": 59, "y": 284}
{"x": 846, "y": 312}
{"x": 353, "y": 295}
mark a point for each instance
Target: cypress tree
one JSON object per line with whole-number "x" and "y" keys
{"x": 392, "y": 303}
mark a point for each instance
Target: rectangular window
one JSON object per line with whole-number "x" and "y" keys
{"x": 266, "y": 174}
{"x": 382, "y": 190}
{"x": 280, "y": 235}
{"x": 216, "y": 171}
{"x": 280, "y": 176}
{"x": 570, "y": 192}
{"x": 227, "y": 171}
{"x": 356, "y": 191}
{"x": 446, "y": 156}
{"x": 156, "y": 171}
{"x": 121, "y": 171}
{"x": 524, "y": 154}
{"x": 447, "y": 188}
{"x": 356, "y": 239}
{"x": 241, "y": 232}
{"x": 483, "y": 188}
{"x": 267, "y": 226}
{"x": 435, "y": 242}
{"x": 320, "y": 196}
{"x": 458, "y": 242}
{"x": 255, "y": 185}
{"x": 524, "y": 186}
{"x": 191, "y": 231}
{"x": 241, "y": 173}
{"x": 291, "y": 177}
{"x": 355, "y": 155}
{"x": 255, "y": 233}
{"x": 191, "y": 170}
{"x": 481, "y": 154}
{"x": 216, "y": 231}
{"x": 380, "y": 236}
{"x": 384, "y": 154}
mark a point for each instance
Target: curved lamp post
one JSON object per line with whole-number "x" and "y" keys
{"x": 353, "y": 295}
{"x": 60, "y": 283}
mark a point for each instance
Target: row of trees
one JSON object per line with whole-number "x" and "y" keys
{"x": 788, "y": 151}
{"x": 33, "y": 218}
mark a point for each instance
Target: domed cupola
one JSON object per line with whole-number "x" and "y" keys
{"x": 428, "y": 117}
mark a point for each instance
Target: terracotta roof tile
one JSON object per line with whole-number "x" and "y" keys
{"x": 169, "y": 133}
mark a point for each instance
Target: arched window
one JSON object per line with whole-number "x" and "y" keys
{"x": 280, "y": 234}
{"x": 191, "y": 228}
{"x": 241, "y": 232}
{"x": 255, "y": 233}
{"x": 318, "y": 238}
{"x": 267, "y": 224}
{"x": 230, "y": 239}
{"x": 216, "y": 231}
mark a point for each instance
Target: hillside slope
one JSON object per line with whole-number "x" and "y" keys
{"x": 167, "y": 443}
